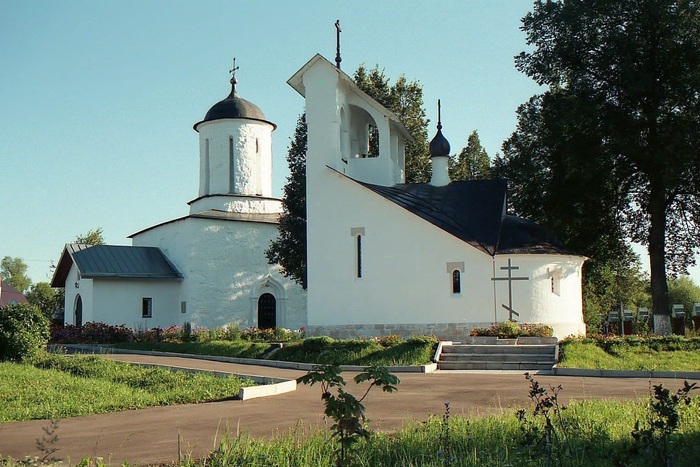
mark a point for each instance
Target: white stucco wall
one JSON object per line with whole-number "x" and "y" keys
{"x": 405, "y": 279}
{"x": 225, "y": 271}
{"x": 84, "y": 289}
{"x": 120, "y": 302}
{"x": 252, "y": 151}
{"x": 248, "y": 204}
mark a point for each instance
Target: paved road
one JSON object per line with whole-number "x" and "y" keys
{"x": 150, "y": 436}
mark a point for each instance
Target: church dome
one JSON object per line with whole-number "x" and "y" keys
{"x": 234, "y": 106}
{"x": 439, "y": 146}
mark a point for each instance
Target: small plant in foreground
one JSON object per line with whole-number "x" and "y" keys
{"x": 663, "y": 421}
{"x": 346, "y": 410}
{"x": 47, "y": 443}
{"x": 445, "y": 453}
{"x": 551, "y": 434}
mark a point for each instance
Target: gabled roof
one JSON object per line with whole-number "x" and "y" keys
{"x": 214, "y": 214}
{"x": 471, "y": 211}
{"x": 474, "y": 211}
{"x": 9, "y": 295}
{"x": 114, "y": 262}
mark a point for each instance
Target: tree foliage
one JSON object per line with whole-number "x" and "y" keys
{"x": 683, "y": 290}
{"x": 289, "y": 248}
{"x": 619, "y": 124}
{"x": 93, "y": 237}
{"x": 24, "y": 330}
{"x": 472, "y": 163}
{"x": 14, "y": 272}
{"x": 44, "y": 297}
{"x": 405, "y": 99}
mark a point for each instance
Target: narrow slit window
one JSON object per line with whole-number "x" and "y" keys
{"x": 359, "y": 256}
{"x": 206, "y": 167}
{"x": 456, "y": 282}
{"x": 147, "y": 307}
{"x": 232, "y": 181}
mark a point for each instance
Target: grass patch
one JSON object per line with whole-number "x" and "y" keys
{"x": 219, "y": 348}
{"x": 598, "y": 430}
{"x": 60, "y": 386}
{"x": 417, "y": 350}
{"x": 581, "y": 354}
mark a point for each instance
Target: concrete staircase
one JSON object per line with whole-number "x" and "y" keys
{"x": 485, "y": 353}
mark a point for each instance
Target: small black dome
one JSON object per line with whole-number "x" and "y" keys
{"x": 234, "y": 106}
{"x": 439, "y": 146}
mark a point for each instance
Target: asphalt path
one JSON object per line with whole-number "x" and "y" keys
{"x": 151, "y": 436}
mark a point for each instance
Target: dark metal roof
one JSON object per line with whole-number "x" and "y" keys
{"x": 234, "y": 106}
{"x": 520, "y": 235}
{"x": 115, "y": 262}
{"x": 471, "y": 211}
{"x": 475, "y": 212}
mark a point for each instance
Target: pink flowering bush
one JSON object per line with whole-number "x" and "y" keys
{"x": 91, "y": 333}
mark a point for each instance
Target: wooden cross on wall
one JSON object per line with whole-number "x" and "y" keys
{"x": 510, "y": 268}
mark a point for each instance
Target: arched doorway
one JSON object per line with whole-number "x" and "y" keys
{"x": 78, "y": 311}
{"x": 267, "y": 311}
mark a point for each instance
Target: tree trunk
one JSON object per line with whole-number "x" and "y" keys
{"x": 657, "y": 260}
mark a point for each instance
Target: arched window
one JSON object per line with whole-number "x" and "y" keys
{"x": 78, "y": 319}
{"x": 456, "y": 281}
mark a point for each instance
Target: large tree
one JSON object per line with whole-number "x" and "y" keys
{"x": 472, "y": 162}
{"x": 405, "y": 99}
{"x": 14, "y": 272}
{"x": 289, "y": 248}
{"x": 630, "y": 74}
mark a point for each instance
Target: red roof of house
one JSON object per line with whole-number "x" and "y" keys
{"x": 9, "y": 295}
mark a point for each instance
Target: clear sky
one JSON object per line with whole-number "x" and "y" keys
{"x": 98, "y": 99}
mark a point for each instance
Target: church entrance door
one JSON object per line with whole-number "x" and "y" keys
{"x": 267, "y": 311}
{"x": 79, "y": 311}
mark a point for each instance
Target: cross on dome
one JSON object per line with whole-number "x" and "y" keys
{"x": 234, "y": 81}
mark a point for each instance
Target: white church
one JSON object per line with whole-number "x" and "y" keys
{"x": 384, "y": 257}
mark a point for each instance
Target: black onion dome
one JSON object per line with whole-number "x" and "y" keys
{"x": 234, "y": 106}
{"x": 439, "y": 146}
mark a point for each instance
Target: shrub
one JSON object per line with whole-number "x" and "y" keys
{"x": 91, "y": 333}
{"x": 24, "y": 331}
{"x": 511, "y": 329}
{"x": 317, "y": 342}
{"x": 390, "y": 341}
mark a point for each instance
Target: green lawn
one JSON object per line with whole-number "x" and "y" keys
{"x": 239, "y": 348}
{"x": 577, "y": 354}
{"x": 596, "y": 434}
{"x": 414, "y": 351}
{"x": 57, "y": 386}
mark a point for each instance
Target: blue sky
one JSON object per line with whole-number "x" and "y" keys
{"x": 98, "y": 99}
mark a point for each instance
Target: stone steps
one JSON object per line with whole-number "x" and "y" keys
{"x": 497, "y": 356}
